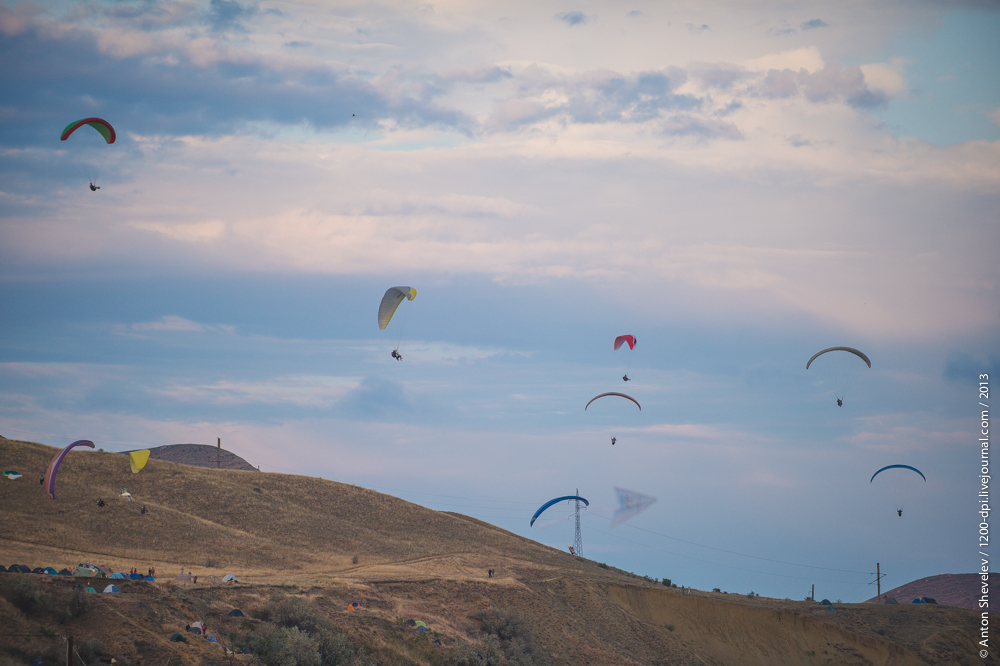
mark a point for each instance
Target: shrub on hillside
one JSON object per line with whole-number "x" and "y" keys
{"x": 283, "y": 646}
{"x": 25, "y": 595}
{"x": 510, "y": 634}
{"x": 77, "y": 604}
{"x": 290, "y": 611}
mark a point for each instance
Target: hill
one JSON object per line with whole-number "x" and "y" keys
{"x": 200, "y": 455}
{"x": 960, "y": 590}
{"x": 305, "y": 548}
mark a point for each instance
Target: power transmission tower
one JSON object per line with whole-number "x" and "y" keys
{"x": 578, "y": 541}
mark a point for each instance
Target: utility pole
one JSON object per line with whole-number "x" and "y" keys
{"x": 218, "y": 455}
{"x": 69, "y": 651}
{"x": 878, "y": 581}
{"x": 812, "y": 595}
{"x": 578, "y": 541}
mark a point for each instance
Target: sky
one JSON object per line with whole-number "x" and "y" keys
{"x": 737, "y": 184}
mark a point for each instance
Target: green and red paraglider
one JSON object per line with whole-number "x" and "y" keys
{"x": 104, "y": 128}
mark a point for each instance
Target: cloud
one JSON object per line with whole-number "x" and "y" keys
{"x": 174, "y": 323}
{"x": 592, "y": 98}
{"x": 572, "y": 18}
{"x": 813, "y": 24}
{"x": 834, "y": 82}
{"x": 634, "y": 13}
{"x": 229, "y": 14}
{"x": 696, "y": 27}
{"x": 376, "y": 398}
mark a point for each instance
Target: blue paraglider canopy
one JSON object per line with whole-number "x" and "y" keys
{"x": 556, "y": 501}
{"x": 899, "y": 466}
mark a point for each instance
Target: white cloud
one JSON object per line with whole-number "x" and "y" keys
{"x": 807, "y": 58}
{"x": 887, "y": 77}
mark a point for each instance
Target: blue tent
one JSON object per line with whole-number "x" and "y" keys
{"x": 150, "y": 579}
{"x": 918, "y": 601}
{"x": 136, "y": 576}
{"x": 119, "y": 576}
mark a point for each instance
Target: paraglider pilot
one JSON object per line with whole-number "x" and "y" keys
{"x": 101, "y": 502}
{"x": 613, "y": 440}
{"x": 396, "y": 355}
{"x": 94, "y": 188}
{"x": 900, "y": 512}
{"x": 840, "y": 403}
{"x": 625, "y": 378}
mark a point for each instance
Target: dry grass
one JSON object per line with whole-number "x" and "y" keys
{"x": 297, "y": 535}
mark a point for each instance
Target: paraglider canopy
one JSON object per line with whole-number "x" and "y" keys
{"x": 620, "y": 395}
{"x": 50, "y": 473}
{"x": 390, "y": 301}
{"x": 898, "y": 466}
{"x": 852, "y": 350}
{"x": 99, "y": 124}
{"x": 137, "y": 460}
{"x": 556, "y": 501}
{"x": 628, "y": 339}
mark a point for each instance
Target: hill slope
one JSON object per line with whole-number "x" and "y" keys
{"x": 960, "y": 590}
{"x": 200, "y": 455}
{"x": 292, "y": 542}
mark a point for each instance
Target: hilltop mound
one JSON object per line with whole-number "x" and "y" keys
{"x": 200, "y": 455}
{"x": 959, "y": 590}
{"x": 304, "y": 548}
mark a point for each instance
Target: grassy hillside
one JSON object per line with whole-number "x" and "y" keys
{"x": 292, "y": 541}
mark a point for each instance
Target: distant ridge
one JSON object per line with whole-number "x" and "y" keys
{"x": 200, "y": 455}
{"x": 959, "y": 590}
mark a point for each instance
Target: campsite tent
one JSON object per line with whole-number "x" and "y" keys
{"x": 355, "y": 605}
{"x": 150, "y": 579}
{"x": 826, "y": 602}
{"x": 177, "y": 638}
{"x": 50, "y": 571}
{"x": 230, "y": 578}
{"x": 411, "y": 622}
{"x": 918, "y": 601}
{"x": 111, "y": 589}
{"x": 236, "y": 612}
{"x": 136, "y": 576}
{"x": 199, "y": 625}
{"x": 24, "y": 568}
{"x": 929, "y": 600}
{"x": 83, "y": 571}
{"x": 422, "y": 630}
{"x": 891, "y": 600}
{"x": 195, "y": 630}
{"x": 183, "y": 578}
{"x": 105, "y": 569}
{"x": 65, "y": 572}
{"x": 90, "y": 589}
{"x": 13, "y": 568}
{"x": 211, "y": 639}
{"x": 118, "y": 575}
{"x": 213, "y": 579}
{"x": 38, "y": 570}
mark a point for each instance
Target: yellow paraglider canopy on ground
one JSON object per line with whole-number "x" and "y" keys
{"x": 137, "y": 460}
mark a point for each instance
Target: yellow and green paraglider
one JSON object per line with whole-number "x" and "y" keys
{"x": 390, "y": 301}
{"x": 137, "y": 460}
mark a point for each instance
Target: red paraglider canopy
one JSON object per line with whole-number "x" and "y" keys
{"x": 630, "y": 339}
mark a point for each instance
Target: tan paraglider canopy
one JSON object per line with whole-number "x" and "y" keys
{"x": 393, "y": 297}
{"x": 620, "y": 395}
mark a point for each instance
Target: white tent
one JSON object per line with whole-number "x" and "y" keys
{"x": 110, "y": 589}
{"x": 230, "y": 578}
